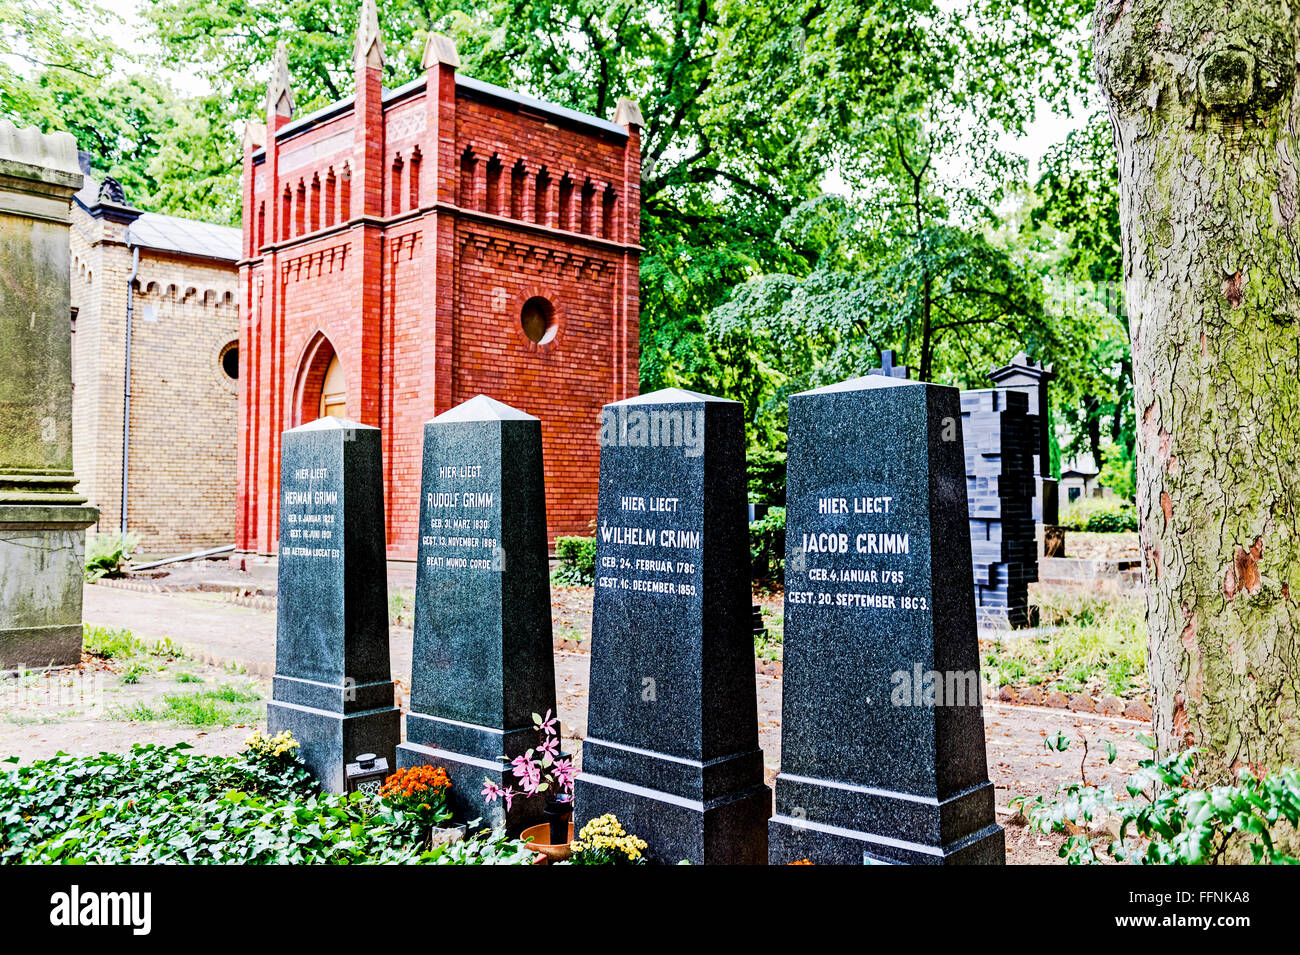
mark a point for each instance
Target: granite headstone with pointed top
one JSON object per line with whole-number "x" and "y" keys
{"x": 672, "y": 723}
{"x": 333, "y": 687}
{"x": 882, "y": 749}
{"x": 482, "y": 663}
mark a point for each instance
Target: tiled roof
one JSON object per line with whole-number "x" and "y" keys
{"x": 173, "y": 234}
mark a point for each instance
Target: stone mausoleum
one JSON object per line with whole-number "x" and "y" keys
{"x": 409, "y": 248}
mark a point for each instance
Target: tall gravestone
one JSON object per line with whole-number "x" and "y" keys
{"x": 999, "y": 440}
{"x": 43, "y": 520}
{"x": 882, "y": 749}
{"x": 482, "y": 662}
{"x": 1032, "y": 378}
{"x": 333, "y": 686}
{"x": 672, "y": 722}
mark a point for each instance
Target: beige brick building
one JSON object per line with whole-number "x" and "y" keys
{"x": 184, "y": 367}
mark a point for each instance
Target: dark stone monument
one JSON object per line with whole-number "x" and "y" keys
{"x": 333, "y": 688}
{"x": 999, "y": 441}
{"x": 1032, "y": 378}
{"x": 482, "y": 662}
{"x": 672, "y": 720}
{"x": 887, "y": 367}
{"x": 882, "y": 750}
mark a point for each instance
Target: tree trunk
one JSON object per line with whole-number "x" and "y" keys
{"x": 1205, "y": 111}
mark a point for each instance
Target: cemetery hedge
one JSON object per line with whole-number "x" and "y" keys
{"x": 1100, "y": 516}
{"x": 166, "y": 805}
{"x": 575, "y": 561}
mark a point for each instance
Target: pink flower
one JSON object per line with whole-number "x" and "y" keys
{"x": 491, "y": 791}
{"x": 547, "y": 724}
{"x": 550, "y": 746}
{"x": 527, "y": 772}
{"x": 564, "y": 773}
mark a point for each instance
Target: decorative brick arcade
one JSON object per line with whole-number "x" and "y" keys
{"x": 408, "y": 249}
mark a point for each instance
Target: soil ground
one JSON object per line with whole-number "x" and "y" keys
{"x": 89, "y": 708}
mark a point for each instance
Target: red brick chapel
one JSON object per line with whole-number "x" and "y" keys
{"x": 407, "y": 249}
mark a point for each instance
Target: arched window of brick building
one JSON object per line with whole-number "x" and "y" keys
{"x": 542, "y": 198}
{"x": 588, "y": 206}
{"x": 300, "y": 210}
{"x": 313, "y": 210}
{"x": 286, "y": 213}
{"x": 413, "y": 190}
{"x": 607, "y": 205}
{"x": 566, "y": 203}
{"x": 517, "y": 176}
{"x": 345, "y": 194}
{"x": 330, "y": 190}
{"x": 494, "y": 186}
{"x": 468, "y": 169}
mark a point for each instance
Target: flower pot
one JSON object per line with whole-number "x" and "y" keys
{"x": 538, "y": 837}
{"x": 440, "y": 835}
{"x": 557, "y": 813}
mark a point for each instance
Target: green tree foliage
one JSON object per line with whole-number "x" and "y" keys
{"x": 1077, "y": 207}
{"x": 756, "y": 279}
{"x": 61, "y": 71}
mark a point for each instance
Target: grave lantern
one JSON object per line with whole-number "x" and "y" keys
{"x": 367, "y": 774}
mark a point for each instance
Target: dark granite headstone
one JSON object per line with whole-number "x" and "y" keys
{"x": 999, "y": 439}
{"x": 882, "y": 749}
{"x": 333, "y": 688}
{"x": 482, "y": 662}
{"x": 1032, "y": 378}
{"x": 672, "y": 720}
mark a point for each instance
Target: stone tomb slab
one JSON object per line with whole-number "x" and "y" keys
{"x": 333, "y": 686}
{"x": 882, "y": 750}
{"x": 672, "y": 731}
{"x": 482, "y": 662}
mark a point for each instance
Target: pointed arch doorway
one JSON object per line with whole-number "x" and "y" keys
{"x": 322, "y": 389}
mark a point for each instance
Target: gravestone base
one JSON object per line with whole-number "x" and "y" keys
{"x": 471, "y": 754}
{"x": 331, "y": 740}
{"x": 725, "y": 829}
{"x": 42, "y": 567}
{"x": 898, "y": 829}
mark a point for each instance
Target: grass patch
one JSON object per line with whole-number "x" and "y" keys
{"x": 1092, "y": 643}
{"x": 224, "y": 706}
{"x": 188, "y": 678}
{"x": 110, "y": 643}
{"x": 120, "y": 644}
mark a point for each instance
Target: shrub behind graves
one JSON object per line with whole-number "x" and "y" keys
{"x": 1100, "y": 515}
{"x": 767, "y": 545}
{"x": 575, "y": 561}
{"x": 1166, "y": 817}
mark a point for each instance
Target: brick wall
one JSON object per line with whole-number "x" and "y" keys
{"x": 404, "y": 231}
{"x": 181, "y": 489}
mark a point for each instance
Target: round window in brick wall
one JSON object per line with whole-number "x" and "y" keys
{"x": 538, "y": 320}
{"x": 229, "y": 359}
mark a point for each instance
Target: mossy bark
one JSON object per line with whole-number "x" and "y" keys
{"x": 1205, "y": 109}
